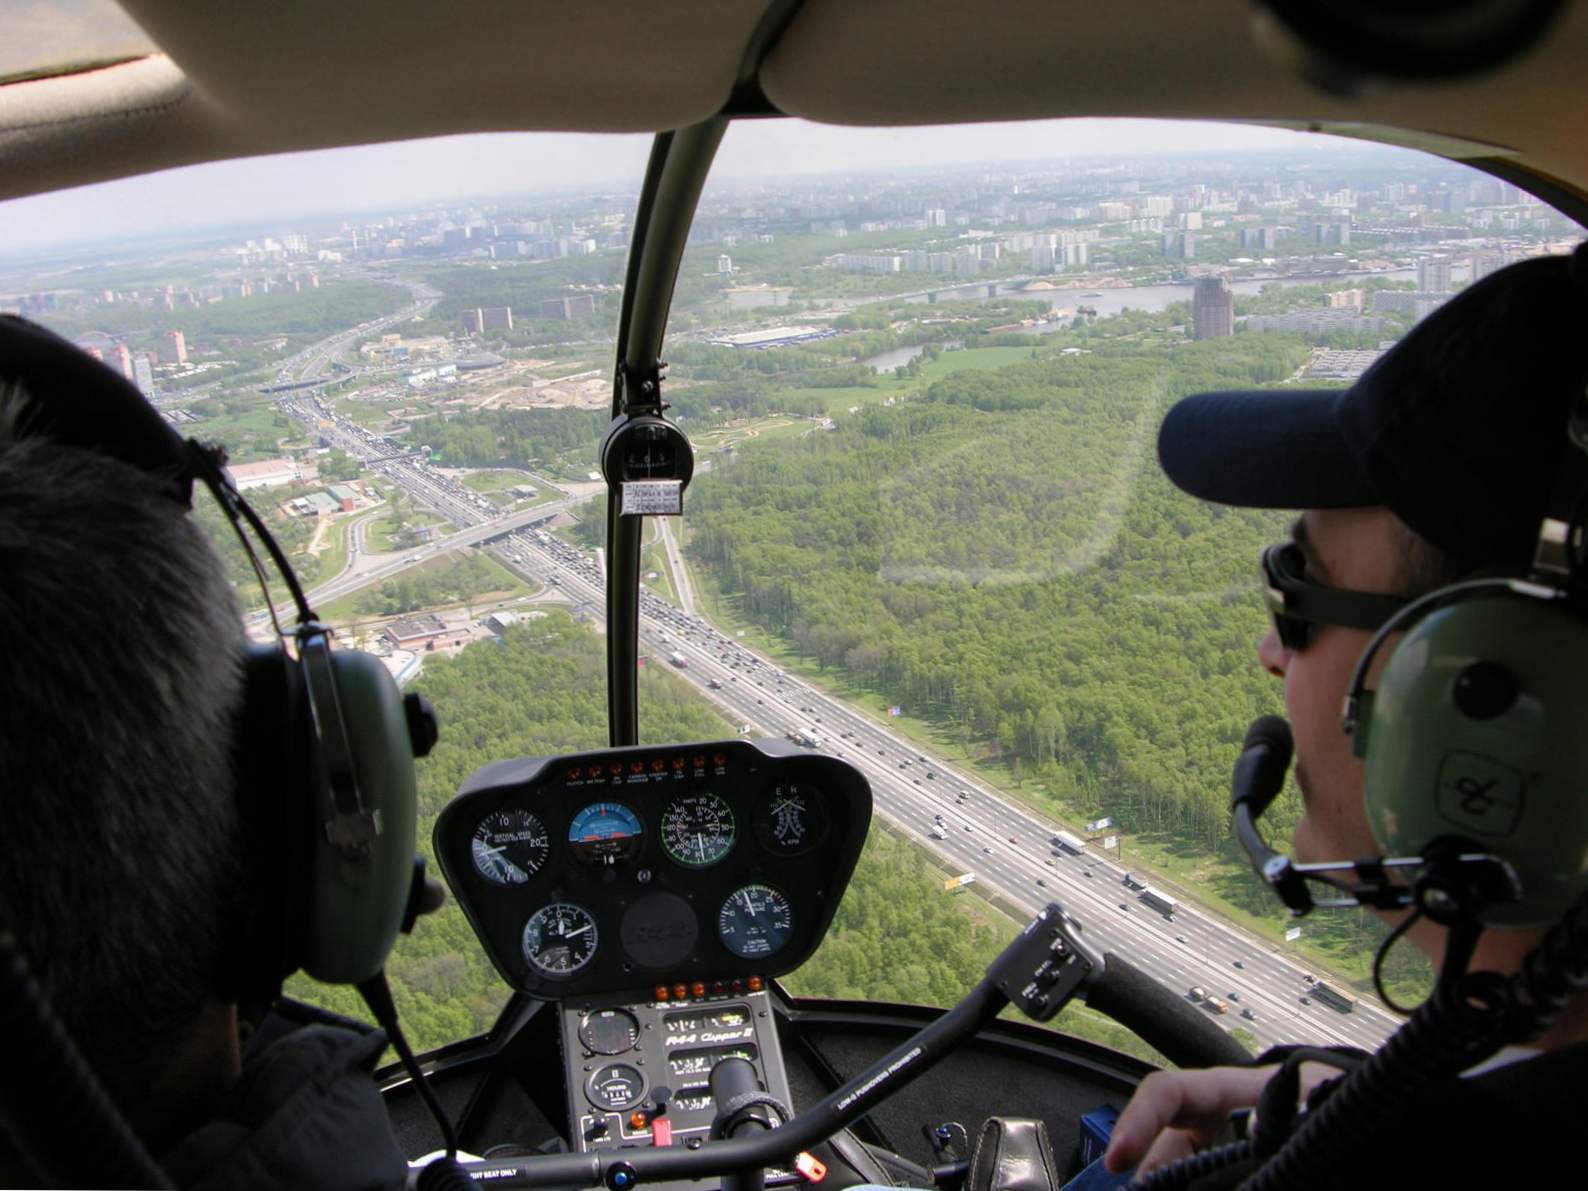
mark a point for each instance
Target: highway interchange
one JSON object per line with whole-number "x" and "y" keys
{"x": 1005, "y": 846}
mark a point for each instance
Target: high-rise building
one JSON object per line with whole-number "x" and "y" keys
{"x": 93, "y": 351}
{"x": 122, "y": 359}
{"x": 143, "y": 374}
{"x": 1433, "y": 275}
{"x": 1212, "y": 309}
{"x": 173, "y": 348}
{"x": 496, "y": 318}
{"x": 725, "y": 263}
{"x": 473, "y": 322}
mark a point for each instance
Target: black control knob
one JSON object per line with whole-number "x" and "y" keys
{"x": 423, "y": 730}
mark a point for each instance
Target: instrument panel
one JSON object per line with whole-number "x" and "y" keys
{"x": 653, "y": 868}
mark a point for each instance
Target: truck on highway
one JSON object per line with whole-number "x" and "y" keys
{"x": 1333, "y": 997}
{"x": 1161, "y": 902}
{"x": 806, "y": 737}
{"x": 1070, "y": 843}
{"x": 938, "y": 831}
{"x": 677, "y": 659}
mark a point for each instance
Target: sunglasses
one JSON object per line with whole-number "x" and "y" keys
{"x": 1298, "y": 606}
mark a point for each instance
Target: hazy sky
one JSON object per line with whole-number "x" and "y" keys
{"x": 390, "y": 176}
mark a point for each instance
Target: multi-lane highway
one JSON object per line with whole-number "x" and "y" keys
{"x": 972, "y": 828}
{"x": 1004, "y": 845}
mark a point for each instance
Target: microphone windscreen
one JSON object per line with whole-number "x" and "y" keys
{"x": 1273, "y": 731}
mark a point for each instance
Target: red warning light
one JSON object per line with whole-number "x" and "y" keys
{"x": 700, "y": 762}
{"x": 738, "y": 986}
{"x": 680, "y": 991}
{"x": 755, "y": 984}
{"x": 574, "y": 773}
{"x": 638, "y": 1120}
{"x": 718, "y": 987}
{"x": 661, "y": 992}
{"x": 698, "y": 988}
{"x": 719, "y": 759}
{"x": 678, "y": 762}
{"x": 636, "y": 766}
{"x": 615, "y": 769}
{"x": 658, "y": 765}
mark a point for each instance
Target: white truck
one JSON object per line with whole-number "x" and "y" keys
{"x": 677, "y": 659}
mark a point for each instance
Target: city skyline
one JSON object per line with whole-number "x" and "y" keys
{"x": 387, "y": 177}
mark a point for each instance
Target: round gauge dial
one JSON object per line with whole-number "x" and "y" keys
{"x": 605, "y": 833}
{"x": 615, "y": 1087}
{"x": 791, "y": 819}
{"x": 755, "y": 921}
{"x": 510, "y": 847}
{"x": 697, "y": 829}
{"x": 609, "y": 1031}
{"x": 559, "y": 939}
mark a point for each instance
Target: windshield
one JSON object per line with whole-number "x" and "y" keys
{"x": 922, "y": 372}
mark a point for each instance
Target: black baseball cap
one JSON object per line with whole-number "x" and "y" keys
{"x": 1457, "y": 429}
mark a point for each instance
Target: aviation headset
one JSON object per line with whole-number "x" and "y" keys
{"x": 1475, "y": 738}
{"x": 324, "y": 742}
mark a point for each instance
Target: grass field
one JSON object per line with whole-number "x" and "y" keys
{"x": 348, "y": 608}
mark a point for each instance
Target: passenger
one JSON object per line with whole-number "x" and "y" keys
{"x": 124, "y": 872}
{"x": 1435, "y": 465}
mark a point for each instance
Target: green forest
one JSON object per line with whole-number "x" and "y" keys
{"x": 1001, "y": 557}
{"x": 897, "y": 935}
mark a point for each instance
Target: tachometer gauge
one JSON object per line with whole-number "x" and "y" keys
{"x": 605, "y": 833}
{"x": 510, "y": 847}
{"x": 559, "y": 939}
{"x": 790, "y": 819}
{"x": 697, "y": 829}
{"x": 755, "y": 922}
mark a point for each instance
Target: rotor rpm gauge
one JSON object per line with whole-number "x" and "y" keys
{"x": 791, "y": 819}
{"x": 755, "y": 922}
{"x": 697, "y": 829}
{"x": 559, "y": 940}
{"x": 510, "y": 846}
{"x": 605, "y": 833}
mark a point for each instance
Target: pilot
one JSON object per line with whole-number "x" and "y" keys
{"x": 120, "y": 663}
{"x": 1436, "y": 465}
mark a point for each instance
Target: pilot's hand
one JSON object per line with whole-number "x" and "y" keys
{"x": 1176, "y": 1113}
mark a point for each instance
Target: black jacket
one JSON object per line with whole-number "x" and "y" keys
{"x": 306, "y": 1114}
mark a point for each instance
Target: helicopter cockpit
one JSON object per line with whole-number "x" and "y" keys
{"x": 646, "y": 905}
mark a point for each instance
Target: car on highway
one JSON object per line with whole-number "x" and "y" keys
{"x": 1306, "y": 1000}
{"x": 1198, "y": 993}
{"x": 1125, "y": 906}
{"x": 1177, "y": 938}
{"x": 1042, "y": 882}
{"x": 1240, "y": 963}
{"x": 1012, "y": 840}
{"x": 987, "y": 851}
{"x": 1235, "y": 996}
{"x": 1248, "y": 1014}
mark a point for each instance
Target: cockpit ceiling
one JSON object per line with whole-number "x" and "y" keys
{"x": 235, "y": 79}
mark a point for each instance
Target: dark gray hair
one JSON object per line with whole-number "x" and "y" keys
{"x": 120, "y": 676}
